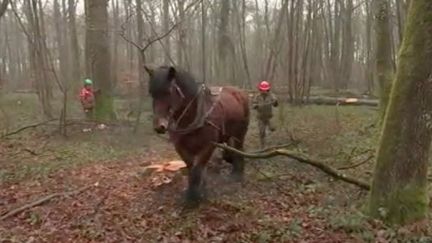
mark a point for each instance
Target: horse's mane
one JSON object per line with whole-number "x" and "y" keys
{"x": 185, "y": 80}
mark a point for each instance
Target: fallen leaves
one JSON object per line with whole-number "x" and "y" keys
{"x": 160, "y": 180}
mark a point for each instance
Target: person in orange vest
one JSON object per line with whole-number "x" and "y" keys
{"x": 87, "y": 98}
{"x": 263, "y": 103}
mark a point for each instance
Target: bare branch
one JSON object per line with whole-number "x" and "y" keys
{"x": 157, "y": 38}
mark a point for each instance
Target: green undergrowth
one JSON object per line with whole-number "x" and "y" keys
{"x": 36, "y": 153}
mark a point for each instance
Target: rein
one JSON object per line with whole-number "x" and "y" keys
{"x": 201, "y": 116}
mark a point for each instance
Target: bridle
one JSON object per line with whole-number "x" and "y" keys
{"x": 199, "y": 119}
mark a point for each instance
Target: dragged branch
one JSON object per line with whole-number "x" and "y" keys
{"x": 317, "y": 164}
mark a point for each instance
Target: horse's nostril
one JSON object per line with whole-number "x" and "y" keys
{"x": 160, "y": 129}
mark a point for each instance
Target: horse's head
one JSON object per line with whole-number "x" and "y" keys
{"x": 168, "y": 88}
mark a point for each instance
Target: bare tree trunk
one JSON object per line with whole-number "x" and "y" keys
{"x": 225, "y": 45}
{"x": 141, "y": 62}
{"x": 181, "y": 42}
{"x": 129, "y": 48}
{"x": 39, "y": 56}
{"x": 61, "y": 42}
{"x": 115, "y": 41}
{"x": 166, "y": 24}
{"x": 241, "y": 27}
{"x": 275, "y": 45}
{"x": 75, "y": 56}
{"x": 335, "y": 45}
{"x": 3, "y": 7}
{"x": 291, "y": 54}
{"x": 384, "y": 63}
{"x": 369, "y": 57}
{"x": 347, "y": 56}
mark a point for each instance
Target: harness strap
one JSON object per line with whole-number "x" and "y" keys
{"x": 199, "y": 120}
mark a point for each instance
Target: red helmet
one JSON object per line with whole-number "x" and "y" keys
{"x": 264, "y": 86}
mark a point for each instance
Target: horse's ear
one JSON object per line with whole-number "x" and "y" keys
{"x": 148, "y": 70}
{"x": 171, "y": 73}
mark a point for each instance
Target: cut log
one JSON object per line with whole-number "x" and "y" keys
{"x": 328, "y": 100}
{"x": 322, "y": 100}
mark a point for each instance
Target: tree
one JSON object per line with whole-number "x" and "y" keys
{"x": 165, "y": 22}
{"x": 384, "y": 65}
{"x": 98, "y": 63}
{"x": 74, "y": 44}
{"x": 399, "y": 190}
{"x": 38, "y": 54}
{"x": 3, "y": 7}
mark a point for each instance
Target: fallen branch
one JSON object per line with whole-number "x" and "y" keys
{"x": 317, "y": 164}
{"x": 41, "y": 201}
{"x": 27, "y": 127}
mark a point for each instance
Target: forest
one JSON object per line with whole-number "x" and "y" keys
{"x": 215, "y": 120}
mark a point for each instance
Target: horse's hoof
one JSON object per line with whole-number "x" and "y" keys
{"x": 192, "y": 196}
{"x": 191, "y": 204}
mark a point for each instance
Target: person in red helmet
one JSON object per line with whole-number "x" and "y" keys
{"x": 264, "y": 102}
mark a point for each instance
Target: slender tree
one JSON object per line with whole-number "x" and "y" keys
{"x": 3, "y": 7}
{"x": 384, "y": 63}
{"x": 75, "y": 57}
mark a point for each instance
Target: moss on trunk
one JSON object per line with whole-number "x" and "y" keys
{"x": 399, "y": 188}
{"x": 104, "y": 108}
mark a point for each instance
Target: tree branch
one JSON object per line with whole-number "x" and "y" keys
{"x": 317, "y": 164}
{"x": 151, "y": 41}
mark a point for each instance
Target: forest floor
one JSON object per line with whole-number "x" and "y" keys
{"x": 121, "y": 201}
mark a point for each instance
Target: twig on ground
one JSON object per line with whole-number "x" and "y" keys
{"x": 317, "y": 164}
{"x": 30, "y": 151}
{"x": 42, "y": 200}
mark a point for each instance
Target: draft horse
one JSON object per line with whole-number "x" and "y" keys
{"x": 195, "y": 118}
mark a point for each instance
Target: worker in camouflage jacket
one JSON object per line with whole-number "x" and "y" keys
{"x": 263, "y": 103}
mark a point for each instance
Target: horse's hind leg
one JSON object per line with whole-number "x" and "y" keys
{"x": 238, "y": 161}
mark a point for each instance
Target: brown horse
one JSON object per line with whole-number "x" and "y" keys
{"x": 195, "y": 118}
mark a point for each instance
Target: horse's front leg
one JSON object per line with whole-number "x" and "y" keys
{"x": 196, "y": 175}
{"x": 186, "y": 156}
